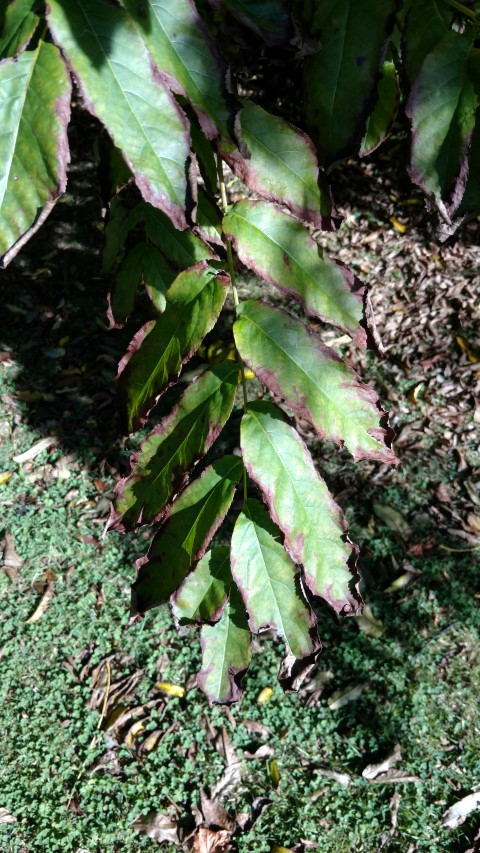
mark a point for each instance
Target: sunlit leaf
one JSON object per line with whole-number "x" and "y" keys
{"x": 158, "y": 351}
{"x": 314, "y": 527}
{"x": 294, "y": 364}
{"x": 202, "y": 595}
{"x": 114, "y": 73}
{"x": 18, "y": 26}
{"x": 160, "y": 468}
{"x": 35, "y": 110}
{"x": 225, "y": 653}
{"x": 280, "y": 250}
{"x": 184, "y": 536}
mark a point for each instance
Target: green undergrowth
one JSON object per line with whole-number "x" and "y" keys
{"x": 420, "y": 681}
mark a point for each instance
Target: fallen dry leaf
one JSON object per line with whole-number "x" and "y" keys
{"x": 158, "y": 826}
{"x": 264, "y": 696}
{"x": 214, "y": 815}
{"x": 458, "y": 813}
{"x": 42, "y": 605}
{"x": 367, "y": 623}
{"x": 393, "y": 776}
{"x": 6, "y": 817}
{"x": 342, "y": 778}
{"x": 36, "y": 449}
{"x": 373, "y": 770}
{"x": 12, "y": 563}
{"x": 208, "y": 841}
{"x": 350, "y": 693}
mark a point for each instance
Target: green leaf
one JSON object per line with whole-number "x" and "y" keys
{"x": 121, "y": 221}
{"x": 184, "y": 537}
{"x": 182, "y": 248}
{"x": 314, "y": 527}
{"x": 294, "y": 364}
{"x": 268, "y": 19}
{"x": 442, "y": 109}
{"x": 341, "y": 79}
{"x": 426, "y": 23}
{"x": 280, "y": 249}
{"x": 188, "y": 58}
{"x": 35, "y": 109}
{"x": 380, "y": 121}
{"x": 160, "y": 468}
{"x": 143, "y": 263}
{"x": 18, "y": 26}
{"x": 282, "y": 164}
{"x": 113, "y": 71}
{"x": 209, "y": 218}
{"x": 204, "y": 592}
{"x": 268, "y": 582}
{"x": 225, "y": 653}
{"x": 158, "y": 351}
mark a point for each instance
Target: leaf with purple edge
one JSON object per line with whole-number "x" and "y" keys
{"x": 225, "y": 653}
{"x": 143, "y": 263}
{"x": 184, "y": 536}
{"x": 204, "y": 592}
{"x": 18, "y": 27}
{"x": 119, "y": 86}
{"x": 279, "y": 462}
{"x": 313, "y": 380}
{"x": 158, "y": 351}
{"x": 160, "y": 468}
{"x": 268, "y": 582}
{"x": 280, "y": 250}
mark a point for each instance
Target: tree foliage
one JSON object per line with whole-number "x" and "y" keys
{"x": 166, "y": 81}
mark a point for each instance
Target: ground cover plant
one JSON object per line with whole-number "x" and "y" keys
{"x": 174, "y": 113}
{"x": 407, "y": 675}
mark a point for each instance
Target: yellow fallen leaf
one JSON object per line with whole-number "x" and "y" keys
{"x": 133, "y": 732}
{"x": 150, "y": 742}
{"x": 400, "y": 582}
{"x": 413, "y": 394}
{"x": 113, "y": 716}
{"x": 5, "y": 477}
{"x": 264, "y": 695}
{"x": 64, "y": 340}
{"x": 278, "y": 849}
{"x": 466, "y": 348}
{"x": 171, "y": 689}
{"x": 399, "y": 226}
{"x": 274, "y": 773}
{"x": 42, "y": 605}
{"x": 249, "y": 374}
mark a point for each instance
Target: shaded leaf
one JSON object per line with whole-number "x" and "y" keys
{"x": 347, "y": 694}
{"x": 393, "y": 518}
{"x": 204, "y": 592}
{"x": 368, "y": 624}
{"x": 143, "y": 263}
{"x": 35, "y": 101}
{"x": 380, "y": 121}
{"x": 281, "y": 164}
{"x": 160, "y": 468}
{"x": 182, "y": 248}
{"x": 341, "y": 79}
{"x": 184, "y": 536}
{"x": 280, "y": 250}
{"x": 268, "y": 19}
{"x": 158, "y": 351}
{"x": 314, "y": 381}
{"x": 442, "y": 108}
{"x": 225, "y": 659}
{"x": 188, "y": 58}
{"x": 314, "y": 527}
{"x": 114, "y": 73}
{"x": 426, "y": 23}
{"x": 268, "y": 582}
{"x": 19, "y": 25}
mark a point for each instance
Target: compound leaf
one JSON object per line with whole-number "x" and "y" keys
{"x": 282, "y": 164}
{"x": 119, "y": 85}
{"x": 184, "y": 536}
{"x": 380, "y": 122}
{"x": 268, "y": 19}
{"x": 160, "y": 468}
{"x": 225, "y": 653}
{"x": 182, "y": 248}
{"x": 442, "y": 107}
{"x": 268, "y": 582}
{"x": 160, "y": 348}
{"x": 18, "y": 27}
{"x": 314, "y": 527}
{"x": 143, "y": 263}
{"x": 187, "y": 57}
{"x": 341, "y": 79}
{"x": 280, "y": 250}
{"x": 426, "y": 23}
{"x": 35, "y": 109}
{"x": 314, "y": 381}
{"x": 204, "y": 592}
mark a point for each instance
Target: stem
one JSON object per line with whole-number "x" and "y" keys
{"x": 463, "y": 9}
{"x": 236, "y": 301}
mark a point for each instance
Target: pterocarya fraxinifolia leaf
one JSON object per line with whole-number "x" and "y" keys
{"x": 341, "y": 78}
{"x": 380, "y": 121}
{"x": 225, "y": 653}
{"x": 143, "y": 263}
{"x": 188, "y": 59}
{"x": 160, "y": 468}
{"x": 185, "y": 534}
{"x": 204, "y": 592}
{"x": 35, "y": 109}
{"x": 314, "y": 526}
{"x": 294, "y": 364}
{"x": 158, "y": 351}
{"x": 281, "y": 164}
{"x": 18, "y": 27}
{"x": 280, "y": 250}
{"x": 268, "y": 582}
{"x": 120, "y": 85}
{"x": 442, "y": 107}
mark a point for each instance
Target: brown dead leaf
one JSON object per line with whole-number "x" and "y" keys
{"x": 42, "y": 605}
{"x": 473, "y": 522}
{"x": 373, "y": 770}
{"x": 12, "y": 563}
{"x": 443, "y": 493}
{"x": 209, "y": 841}
{"x": 343, "y": 695}
{"x": 458, "y": 813}
{"x": 232, "y": 776}
{"x": 394, "y": 776}
{"x": 158, "y": 826}
{"x": 36, "y": 449}
{"x": 6, "y": 817}
{"x": 214, "y": 815}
